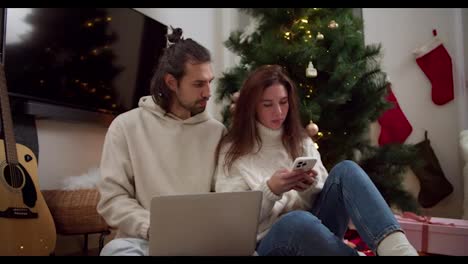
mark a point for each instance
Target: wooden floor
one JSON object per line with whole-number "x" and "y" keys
{"x": 91, "y": 252}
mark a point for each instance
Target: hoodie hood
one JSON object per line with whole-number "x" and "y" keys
{"x": 147, "y": 103}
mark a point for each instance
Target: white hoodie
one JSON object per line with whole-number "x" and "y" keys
{"x": 149, "y": 152}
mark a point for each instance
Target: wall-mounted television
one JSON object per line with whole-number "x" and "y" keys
{"x": 77, "y": 62}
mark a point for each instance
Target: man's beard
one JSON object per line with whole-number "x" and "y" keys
{"x": 195, "y": 108}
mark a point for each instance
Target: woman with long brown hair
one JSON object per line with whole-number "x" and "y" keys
{"x": 303, "y": 212}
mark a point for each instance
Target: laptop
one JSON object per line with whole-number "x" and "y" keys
{"x": 208, "y": 224}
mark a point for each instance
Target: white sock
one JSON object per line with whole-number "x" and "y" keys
{"x": 396, "y": 244}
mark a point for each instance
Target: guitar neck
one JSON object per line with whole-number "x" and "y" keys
{"x": 7, "y": 122}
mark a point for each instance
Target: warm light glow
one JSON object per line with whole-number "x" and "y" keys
{"x": 109, "y": 18}
{"x": 107, "y": 97}
{"x": 320, "y": 134}
{"x": 89, "y": 24}
{"x": 304, "y": 20}
{"x": 316, "y": 145}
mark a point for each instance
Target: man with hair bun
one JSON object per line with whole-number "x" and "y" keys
{"x": 164, "y": 147}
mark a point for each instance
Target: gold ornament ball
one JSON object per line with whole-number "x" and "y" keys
{"x": 235, "y": 96}
{"x": 333, "y": 24}
{"x": 312, "y": 129}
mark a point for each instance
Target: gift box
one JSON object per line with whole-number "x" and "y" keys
{"x": 436, "y": 235}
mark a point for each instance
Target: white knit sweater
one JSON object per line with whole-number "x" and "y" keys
{"x": 148, "y": 152}
{"x": 251, "y": 172}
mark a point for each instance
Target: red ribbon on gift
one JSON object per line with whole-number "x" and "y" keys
{"x": 425, "y": 220}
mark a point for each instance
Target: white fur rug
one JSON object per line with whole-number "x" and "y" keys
{"x": 84, "y": 181}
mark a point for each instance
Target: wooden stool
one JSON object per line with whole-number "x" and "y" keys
{"x": 74, "y": 213}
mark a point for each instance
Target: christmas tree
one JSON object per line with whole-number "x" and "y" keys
{"x": 340, "y": 83}
{"x": 74, "y": 59}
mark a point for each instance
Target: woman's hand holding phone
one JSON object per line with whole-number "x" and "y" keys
{"x": 308, "y": 180}
{"x": 284, "y": 180}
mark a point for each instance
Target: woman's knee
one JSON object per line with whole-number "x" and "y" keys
{"x": 301, "y": 221}
{"x": 347, "y": 165}
{"x": 348, "y": 170}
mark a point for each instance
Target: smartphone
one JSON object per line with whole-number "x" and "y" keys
{"x": 305, "y": 163}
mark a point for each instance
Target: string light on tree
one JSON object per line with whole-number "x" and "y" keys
{"x": 311, "y": 71}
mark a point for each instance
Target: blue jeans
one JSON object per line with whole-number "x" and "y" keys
{"x": 348, "y": 193}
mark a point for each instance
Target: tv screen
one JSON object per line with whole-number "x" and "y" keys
{"x": 95, "y": 59}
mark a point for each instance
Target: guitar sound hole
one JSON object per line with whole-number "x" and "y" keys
{"x": 13, "y": 176}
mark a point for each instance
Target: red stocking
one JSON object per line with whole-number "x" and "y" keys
{"x": 435, "y": 62}
{"x": 394, "y": 127}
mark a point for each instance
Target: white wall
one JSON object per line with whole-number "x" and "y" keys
{"x": 464, "y": 14}
{"x": 67, "y": 148}
{"x": 400, "y": 31}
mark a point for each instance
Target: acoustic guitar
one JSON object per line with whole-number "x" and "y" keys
{"x": 26, "y": 224}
